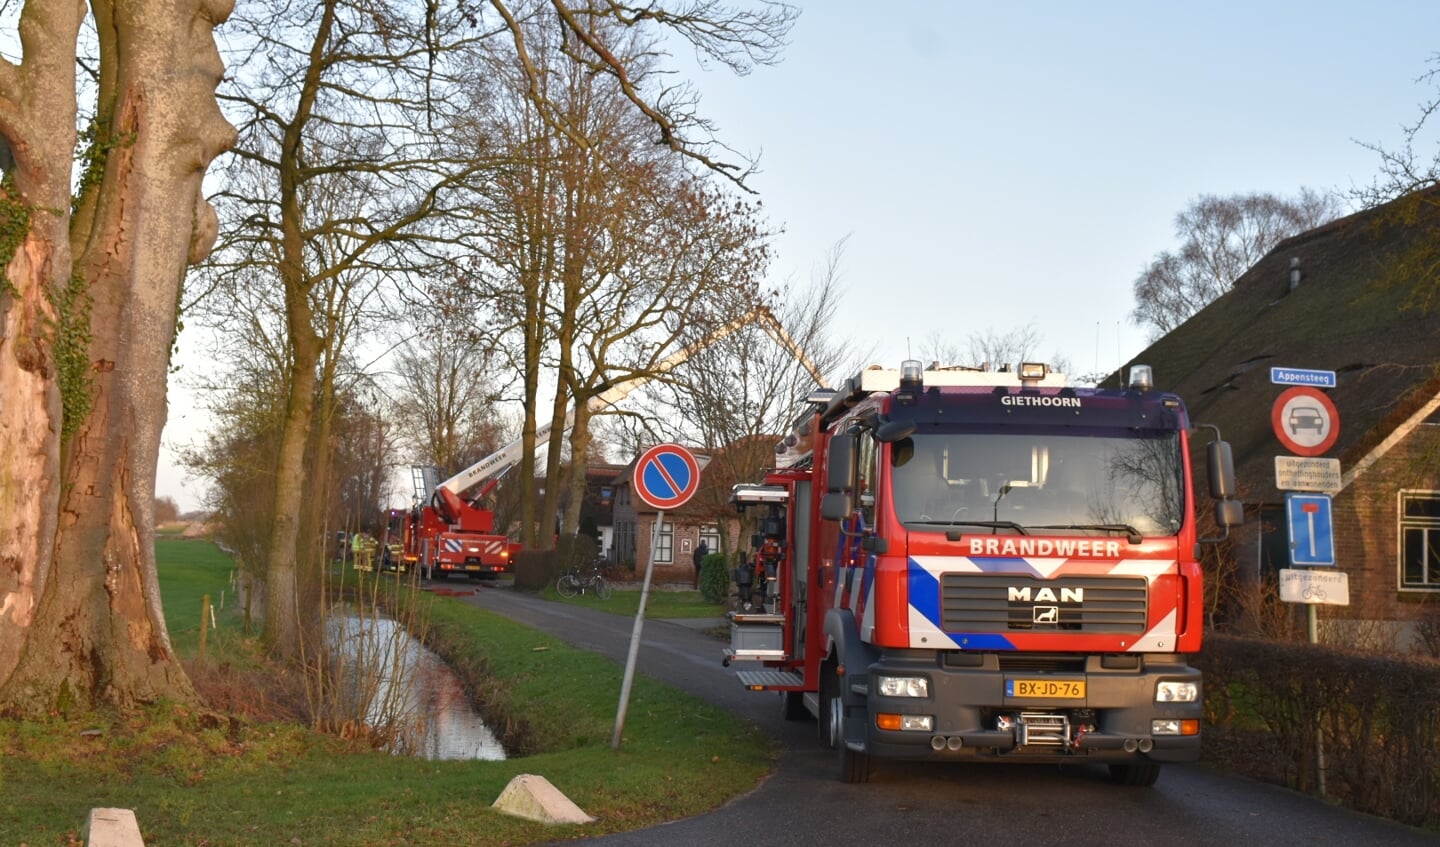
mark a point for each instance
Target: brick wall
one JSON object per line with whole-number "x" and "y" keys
{"x": 1366, "y": 530}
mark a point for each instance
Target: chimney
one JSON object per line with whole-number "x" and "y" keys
{"x": 1295, "y": 274}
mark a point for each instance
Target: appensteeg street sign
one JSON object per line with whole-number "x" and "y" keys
{"x": 1302, "y": 376}
{"x": 666, "y": 476}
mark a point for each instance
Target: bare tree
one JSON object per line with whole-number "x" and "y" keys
{"x": 735, "y": 37}
{"x": 337, "y": 103}
{"x": 1407, "y": 169}
{"x": 987, "y": 348}
{"x": 166, "y": 510}
{"x": 1221, "y": 238}
{"x": 1407, "y": 177}
{"x": 446, "y": 406}
{"x": 607, "y": 248}
{"x": 737, "y": 397}
{"x": 88, "y": 314}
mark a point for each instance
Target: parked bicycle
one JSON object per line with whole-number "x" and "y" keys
{"x": 573, "y": 583}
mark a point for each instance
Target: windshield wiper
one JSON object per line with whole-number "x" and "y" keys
{"x": 1132, "y": 534}
{"x": 954, "y": 534}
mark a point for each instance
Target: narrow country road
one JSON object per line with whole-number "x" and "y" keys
{"x": 803, "y": 804}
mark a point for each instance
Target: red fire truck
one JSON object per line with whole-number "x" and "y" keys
{"x": 448, "y": 531}
{"x": 455, "y": 535}
{"x": 985, "y": 566}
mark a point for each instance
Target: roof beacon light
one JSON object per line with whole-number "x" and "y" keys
{"x": 1032, "y": 371}
{"x": 1141, "y": 378}
{"x": 912, "y": 379}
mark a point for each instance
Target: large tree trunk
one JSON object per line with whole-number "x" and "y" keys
{"x": 39, "y": 127}
{"x": 282, "y": 599}
{"x": 282, "y": 609}
{"x": 97, "y": 635}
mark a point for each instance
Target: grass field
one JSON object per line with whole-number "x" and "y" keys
{"x": 208, "y": 777}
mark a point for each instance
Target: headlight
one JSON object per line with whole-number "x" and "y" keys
{"x": 902, "y": 686}
{"x": 1177, "y": 692}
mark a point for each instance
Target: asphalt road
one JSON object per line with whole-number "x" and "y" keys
{"x": 802, "y": 803}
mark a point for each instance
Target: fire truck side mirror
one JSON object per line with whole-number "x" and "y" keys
{"x": 1229, "y": 513}
{"x": 1222, "y": 470}
{"x": 836, "y": 506}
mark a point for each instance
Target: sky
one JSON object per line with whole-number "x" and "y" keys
{"x": 1001, "y": 165}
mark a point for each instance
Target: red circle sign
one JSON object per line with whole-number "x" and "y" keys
{"x": 1305, "y": 420}
{"x": 666, "y": 476}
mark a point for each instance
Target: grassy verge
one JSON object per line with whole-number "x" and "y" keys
{"x": 212, "y": 778}
{"x": 625, "y": 600}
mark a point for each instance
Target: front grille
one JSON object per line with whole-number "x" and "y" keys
{"x": 1040, "y": 663}
{"x": 1080, "y": 604}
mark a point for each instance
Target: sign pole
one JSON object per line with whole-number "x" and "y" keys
{"x": 635, "y": 634}
{"x": 1305, "y": 408}
{"x": 666, "y": 477}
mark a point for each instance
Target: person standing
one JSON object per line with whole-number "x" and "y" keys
{"x": 700, "y": 553}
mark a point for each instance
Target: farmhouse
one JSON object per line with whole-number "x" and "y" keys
{"x": 1361, "y": 297}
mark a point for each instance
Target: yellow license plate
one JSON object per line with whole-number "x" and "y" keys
{"x": 1049, "y": 689}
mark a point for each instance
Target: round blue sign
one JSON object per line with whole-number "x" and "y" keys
{"x": 666, "y": 476}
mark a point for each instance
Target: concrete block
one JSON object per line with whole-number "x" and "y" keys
{"x": 533, "y": 797}
{"x": 113, "y": 828}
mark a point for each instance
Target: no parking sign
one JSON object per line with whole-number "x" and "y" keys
{"x": 666, "y": 476}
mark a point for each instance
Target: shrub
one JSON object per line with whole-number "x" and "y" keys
{"x": 714, "y": 578}
{"x": 1376, "y": 718}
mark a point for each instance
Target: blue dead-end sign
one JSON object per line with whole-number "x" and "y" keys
{"x": 1312, "y": 533}
{"x": 666, "y": 476}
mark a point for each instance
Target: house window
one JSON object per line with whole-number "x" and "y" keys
{"x": 665, "y": 544}
{"x": 710, "y": 537}
{"x": 1420, "y": 539}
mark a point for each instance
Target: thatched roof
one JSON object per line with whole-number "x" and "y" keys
{"x": 1367, "y": 307}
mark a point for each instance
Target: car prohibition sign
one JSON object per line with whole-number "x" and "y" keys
{"x": 1305, "y": 420}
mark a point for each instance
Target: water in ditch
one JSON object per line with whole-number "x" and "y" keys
{"x": 410, "y": 689}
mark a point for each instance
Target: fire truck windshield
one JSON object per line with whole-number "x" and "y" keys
{"x": 1064, "y": 484}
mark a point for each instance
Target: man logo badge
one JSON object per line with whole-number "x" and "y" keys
{"x": 1047, "y": 614}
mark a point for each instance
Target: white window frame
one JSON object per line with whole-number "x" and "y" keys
{"x": 1430, "y": 527}
{"x": 710, "y": 537}
{"x": 665, "y": 544}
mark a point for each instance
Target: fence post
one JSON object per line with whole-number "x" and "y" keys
{"x": 204, "y": 623}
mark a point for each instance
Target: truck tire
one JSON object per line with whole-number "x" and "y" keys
{"x": 853, "y": 766}
{"x": 829, "y": 690}
{"x": 1141, "y": 774}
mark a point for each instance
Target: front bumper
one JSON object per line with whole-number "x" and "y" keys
{"x": 972, "y": 716}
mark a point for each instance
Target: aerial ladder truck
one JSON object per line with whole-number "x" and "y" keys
{"x": 448, "y": 532}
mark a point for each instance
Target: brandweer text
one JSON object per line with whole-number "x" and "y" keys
{"x": 995, "y": 546}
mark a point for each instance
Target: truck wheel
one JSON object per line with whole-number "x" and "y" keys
{"x": 829, "y": 691}
{"x": 853, "y": 767}
{"x": 1141, "y": 774}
